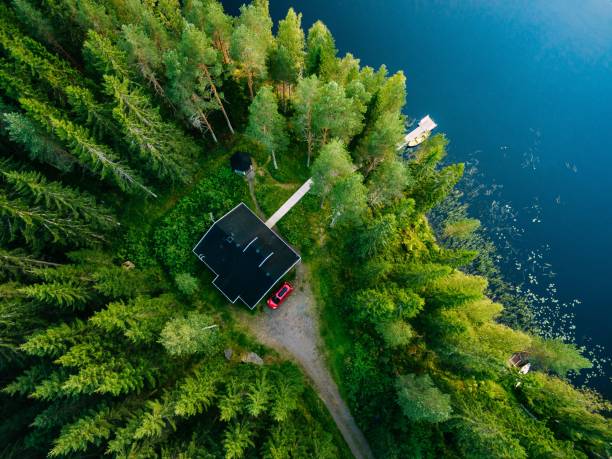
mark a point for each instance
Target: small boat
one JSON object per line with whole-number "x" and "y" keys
{"x": 420, "y": 134}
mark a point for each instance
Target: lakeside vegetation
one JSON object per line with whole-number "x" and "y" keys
{"x": 118, "y": 120}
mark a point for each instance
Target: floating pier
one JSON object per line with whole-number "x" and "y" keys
{"x": 420, "y": 134}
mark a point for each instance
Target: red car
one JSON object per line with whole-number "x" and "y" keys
{"x": 281, "y": 295}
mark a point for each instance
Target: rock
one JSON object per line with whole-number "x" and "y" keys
{"x": 228, "y": 354}
{"x": 127, "y": 265}
{"x": 253, "y": 358}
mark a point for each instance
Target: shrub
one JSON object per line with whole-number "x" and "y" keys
{"x": 186, "y": 283}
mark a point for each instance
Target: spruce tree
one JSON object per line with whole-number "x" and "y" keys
{"x": 58, "y": 197}
{"x": 40, "y": 145}
{"x": 158, "y": 143}
{"x": 99, "y": 158}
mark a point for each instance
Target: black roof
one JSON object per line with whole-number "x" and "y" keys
{"x": 247, "y": 256}
{"x": 240, "y": 162}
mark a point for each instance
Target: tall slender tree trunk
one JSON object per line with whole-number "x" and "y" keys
{"x": 250, "y": 84}
{"x": 274, "y": 160}
{"x": 203, "y": 118}
{"x": 222, "y": 47}
{"x": 214, "y": 89}
{"x": 371, "y": 166}
{"x": 309, "y": 139}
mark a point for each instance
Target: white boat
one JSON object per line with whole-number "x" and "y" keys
{"x": 420, "y": 134}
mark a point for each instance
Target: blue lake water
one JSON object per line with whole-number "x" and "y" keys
{"x": 523, "y": 89}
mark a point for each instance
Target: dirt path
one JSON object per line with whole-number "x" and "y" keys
{"x": 293, "y": 329}
{"x": 251, "y": 181}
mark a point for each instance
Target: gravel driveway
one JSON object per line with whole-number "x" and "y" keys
{"x": 294, "y": 329}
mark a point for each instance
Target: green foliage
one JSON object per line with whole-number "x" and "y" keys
{"x": 57, "y": 197}
{"x": 186, "y": 283}
{"x": 266, "y": 126}
{"x": 56, "y": 293}
{"x": 158, "y": 143}
{"x": 101, "y": 358}
{"x": 288, "y": 57}
{"x": 420, "y": 400}
{"x": 461, "y": 229}
{"x": 40, "y": 145}
{"x": 251, "y": 41}
{"x": 388, "y": 182}
{"x": 78, "y": 436}
{"x": 195, "y": 333}
{"x": 141, "y": 320}
{"x": 54, "y": 341}
{"x": 175, "y": 234}
{"x": 80, "y": 143}
{"x": 320, "y": 52}
{"x": 331, "y": 166}
{"x": 557, "y": 356}
{"x": 574, "y": 414}
{"x": 396, "y": 333}
{"x": 237, "y": 440}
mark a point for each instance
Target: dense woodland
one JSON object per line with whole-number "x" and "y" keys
{"x": 117, "y": 121}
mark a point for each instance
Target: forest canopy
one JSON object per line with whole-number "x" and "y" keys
{"x": 117, "y": 121}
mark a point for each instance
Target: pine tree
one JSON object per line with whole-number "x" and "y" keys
{"x": 421, "y": 400}
{"x": 17, "y": 260}
{"x": 196, "y": 48}
{"x": 287, "y": 58}
{"x": 333, "y": 165}
{"x": 335, "y": 115}
{"x": 347, "y": 200}
{"x": 90, "y": 113}
{"x": 50, "y": 69}
{"x": 198, "y": 392}
{"x": 380, "y": 142}
{"x": 141, "y": 320}
{"x": 304, "y": 104}
{"x": 210, "y": 18}
{"x": 54, "y": 341}
{"x": 144, "y": 55}
{"x": 267, "y": 126}
{"x": 258, "y": 396}
{"x": 387, "y": 183}
{"x": 187, "y": 84}
{"x": 251, "y": 40}
{"x": 320, "y": 52}
{"x": 64, "y": 295}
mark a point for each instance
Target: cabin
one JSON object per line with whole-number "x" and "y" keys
{"x": 520, "y": 361}
{"x": 246, "y": 256}
{"x": 241, "y": 163}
